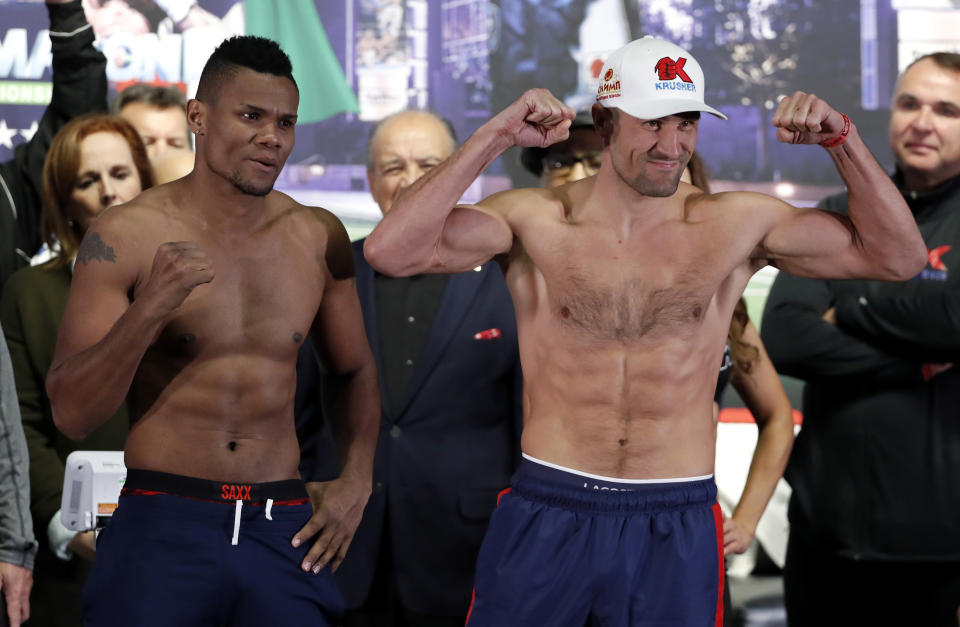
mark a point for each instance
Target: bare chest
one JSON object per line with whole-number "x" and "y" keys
{"x": 261, "y": 301}
{"x": 660, "y": 284}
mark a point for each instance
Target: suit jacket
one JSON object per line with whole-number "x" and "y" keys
{"x": 442, "y": 460}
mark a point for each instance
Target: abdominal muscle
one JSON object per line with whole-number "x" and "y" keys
{"x": 223, "y": 419}
{"x": 631, "y": 412}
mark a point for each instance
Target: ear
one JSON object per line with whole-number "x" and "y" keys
{"x": 602, "y": 121}
{"x": 196, "y": 116}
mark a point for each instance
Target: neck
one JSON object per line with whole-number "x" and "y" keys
{"x": 622, "y": 204}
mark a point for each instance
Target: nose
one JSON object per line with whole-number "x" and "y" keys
{"x": 923, "y": 121}
{"x": 577, "y": 171}
{"x": 270, "y": 138}
{"x": 669, "y": 143}
{"x": 108, "y": 192}
{"x": 410, "y": 175}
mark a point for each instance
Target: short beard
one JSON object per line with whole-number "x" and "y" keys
{"x": 246, "y": 187}
{"x": 647, "y": 188}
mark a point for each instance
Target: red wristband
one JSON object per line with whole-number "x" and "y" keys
{"x": 841, "y": 137}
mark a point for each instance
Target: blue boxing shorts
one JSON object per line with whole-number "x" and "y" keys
{"x": 185, "y": 551}
{"x": 567, "y": 549}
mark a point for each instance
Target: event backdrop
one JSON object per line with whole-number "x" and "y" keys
{"x": 357, "y": 61}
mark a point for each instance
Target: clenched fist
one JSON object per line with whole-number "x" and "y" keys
{"x": 178, "y": 267}
{"x": 537, "y": 118}
{"x": 806, "y": 119}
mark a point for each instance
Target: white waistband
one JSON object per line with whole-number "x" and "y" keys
{"x": 613, "y": 479}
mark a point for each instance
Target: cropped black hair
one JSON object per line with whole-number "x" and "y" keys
{"x": 246, "y": 51}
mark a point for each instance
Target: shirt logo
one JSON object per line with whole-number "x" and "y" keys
{"x": 934, "y": 257}
{"x": 667, "y": 69}
{"x": 937, "y": 270}
{"x": 608, "y": 75}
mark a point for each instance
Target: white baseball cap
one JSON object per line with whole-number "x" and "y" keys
{"x": 651, "y": 78}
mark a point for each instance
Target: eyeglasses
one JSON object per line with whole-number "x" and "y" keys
{"x": 562, "y": 164}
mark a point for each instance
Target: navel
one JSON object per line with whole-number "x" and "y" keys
{"x": 187, "y": 338}
{"x": 297, "y": 337}
{"x": 232, "y": 446}
{"x": 623, "y": 442}
{"x": 697, "y": 310}
{"x": 565, "y": 311}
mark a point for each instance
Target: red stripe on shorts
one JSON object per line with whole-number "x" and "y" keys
{"x": 718, "y": 523}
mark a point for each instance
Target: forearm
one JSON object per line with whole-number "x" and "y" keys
{"x": 884, "y": 229}
{"x": 88, "y": 387}
{"x": 769, "y": 461}
{"x": 408, "y": 239}
{"x": 357, "y": 414}
{"x": 924, "y": 327}
{"x": 794, "y": 309}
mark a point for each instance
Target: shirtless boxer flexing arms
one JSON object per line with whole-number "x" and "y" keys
{"x": 624, "y": 284}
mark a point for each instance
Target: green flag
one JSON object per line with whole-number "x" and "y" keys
{"x": 295, "y": 25}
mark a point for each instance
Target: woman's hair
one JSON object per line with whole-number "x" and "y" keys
{"x": 744, "y": 353}
{"x": 60, "y": 176}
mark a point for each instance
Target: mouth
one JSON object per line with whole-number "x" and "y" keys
{"x": 919, "y": 147}
{"x": 266, "y": 164}
{"x": 664, "y": 165}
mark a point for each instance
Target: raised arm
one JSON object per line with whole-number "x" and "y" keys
{"x": 79, "y": 84}
{"x": 425, "y": 230}
{"x": 763, "y": 394}
{"x": 339, "y": 336}
{"x": 103, "y": 336}
{"x": 878, "y": 239}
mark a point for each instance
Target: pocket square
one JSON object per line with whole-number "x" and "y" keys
{"x": 489, "y": 334}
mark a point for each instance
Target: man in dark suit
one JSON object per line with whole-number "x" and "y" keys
{"x": 450, "y": 381}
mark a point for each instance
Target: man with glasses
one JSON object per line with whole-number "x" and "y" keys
{"x": 570, "y": 160}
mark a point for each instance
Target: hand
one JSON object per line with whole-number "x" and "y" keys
{"x": 337, "y": 508}
{"x": 805, "y": 119}
{"x": 84, "y": 545}
{"x": 830, "y": 316}
{"x": 537, "y": 118}
{"x": 931, "y": 370}
{"x": 178, "y": 267}
{"x": 736, "y": 538}
{"x": 16, "y": 582}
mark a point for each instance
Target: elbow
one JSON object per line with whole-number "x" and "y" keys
{"x": 905, "y": 266}
{"x": 68, "y": 423}
{"x": 386, "y": 261}
{"x": 377, "y": 255}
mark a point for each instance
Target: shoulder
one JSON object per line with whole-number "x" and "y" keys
{"x": 512, "y": 201}
{"x": 316, "y": 219}
{"x": 136, "y": 217}
{"x": 329, "y": 233}
{"x": 752, "y": 206}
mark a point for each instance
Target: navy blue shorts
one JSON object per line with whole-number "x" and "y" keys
{"x": 565, "y": 550}
{"x": 167, "y": 558}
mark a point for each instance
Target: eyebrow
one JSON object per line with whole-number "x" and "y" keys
{"x": 908, "y": 96}
{"x": 256, "y": 109}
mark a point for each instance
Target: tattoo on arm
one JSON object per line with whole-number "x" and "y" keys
{"x": 95, "y": 249}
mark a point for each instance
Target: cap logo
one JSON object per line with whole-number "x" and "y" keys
{"x": 608, "y": 88}
{"x": 668, "y": 69}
